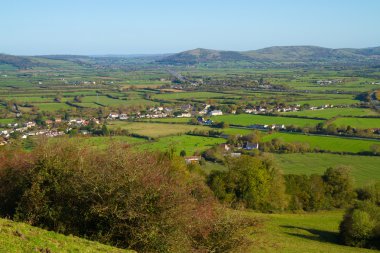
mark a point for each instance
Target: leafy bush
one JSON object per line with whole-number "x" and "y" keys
{"x": 334, "y": 189}
{"x": 306, "y": 192}
{"x": 361, "y": 225}
{"x": 147, "y": 202}
{"x": 252, "y": 182}
{"x": 370, "y": 193}
{"x": 339, "y": 186}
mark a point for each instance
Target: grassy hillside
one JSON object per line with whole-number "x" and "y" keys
{"x": 20, "y": 237}
{"x": 293, "y": 233}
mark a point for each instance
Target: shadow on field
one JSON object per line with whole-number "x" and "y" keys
{"x": 316, "y": 234}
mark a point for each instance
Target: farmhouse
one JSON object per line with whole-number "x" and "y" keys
{"x": 248, "y": 110}
{"x": 192, "y": 159}
{"x": 184, "y": 115}
{"x": 113, "y": 116}
{"x": 216, "y": 113}
{"x": 123, "y": 116}
{"x": 278, "y": 127}
{"x": 30, "y": 124}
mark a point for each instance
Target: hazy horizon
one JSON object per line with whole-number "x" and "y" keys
{"x": 168, "y": 53}
{"x": 120, "y": 27}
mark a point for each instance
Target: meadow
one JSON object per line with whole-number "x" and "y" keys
{"x": 155, "y": 130}
{"x": 320, "y": 102}
{"x": 363, "y": 123}
{"x": 188, "y": 95}
{"x": 364, "y": 169}
{"x": 327, "y": 143}
{"x": 191, "y": 144}
{"x": 168, "y": 120}
{"x": 6, "y": 121}
{"x": 250, "y": 119}
{"x": 333, "y": 112}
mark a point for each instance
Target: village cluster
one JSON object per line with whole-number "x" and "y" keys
{"x": 50, "y": 127}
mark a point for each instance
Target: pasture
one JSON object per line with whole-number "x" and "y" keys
{"x": 155, "y": 130}
{"x": 250, "y": 119}
{"x": 320, "y": 102}
{"x": 364, "y": 169}
{"x": 189, "y": 143}
{"x": 327, "y": 143}
{"x": 188, "y": 95}
{"x": 168, "y": 120}
{"x": 333, "y": 112}
{"x": 362, "y": 123}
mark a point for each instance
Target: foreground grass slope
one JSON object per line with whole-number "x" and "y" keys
{"x": 293, "y": 233}
{"x": 20, "y": 237}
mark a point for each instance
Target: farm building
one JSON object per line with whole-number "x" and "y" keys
{"x": 192, "y": 159}
{"x": 216, "y": 113}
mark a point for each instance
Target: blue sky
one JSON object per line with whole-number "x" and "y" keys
{"x": 30, "y": 27}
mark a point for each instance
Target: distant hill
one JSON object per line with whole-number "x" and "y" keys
{"x": 200, "y": 55}
{"x": 270, "y": 56}
{"x": 278, "y": 55}
{"x": 19, "y": 62}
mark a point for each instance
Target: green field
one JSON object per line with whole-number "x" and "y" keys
{"x": 6, "y": 121}
{"x": 188, "y": 143}
{"x": 363, "y": 123}
{"x": 168, "y": 120}
{"x": 333, "y": 112}
{"x": 320, "y": 102}
{"x": 183, "y": 95}
{"x": 301, "y": 233}
{"x": 103, "y": 142}
{"x": 235, "y": 130}
{"x": 328, "y": 143}
{"x": 155, "y": 129}
{"x": 19, "y": 237}
{"x": 364, "y": 169}
{"x": 51, "y": 107}
{"x": 249, "y": 119}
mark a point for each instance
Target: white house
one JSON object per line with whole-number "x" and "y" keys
{"x": 192, "y": 159}
{"x": 123, "y": 116}
{"x": 113, "y": 116}
{"x": 30, "y": 124}
{"x": 184, "y": 115}
{"x": 216, "y": 113}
